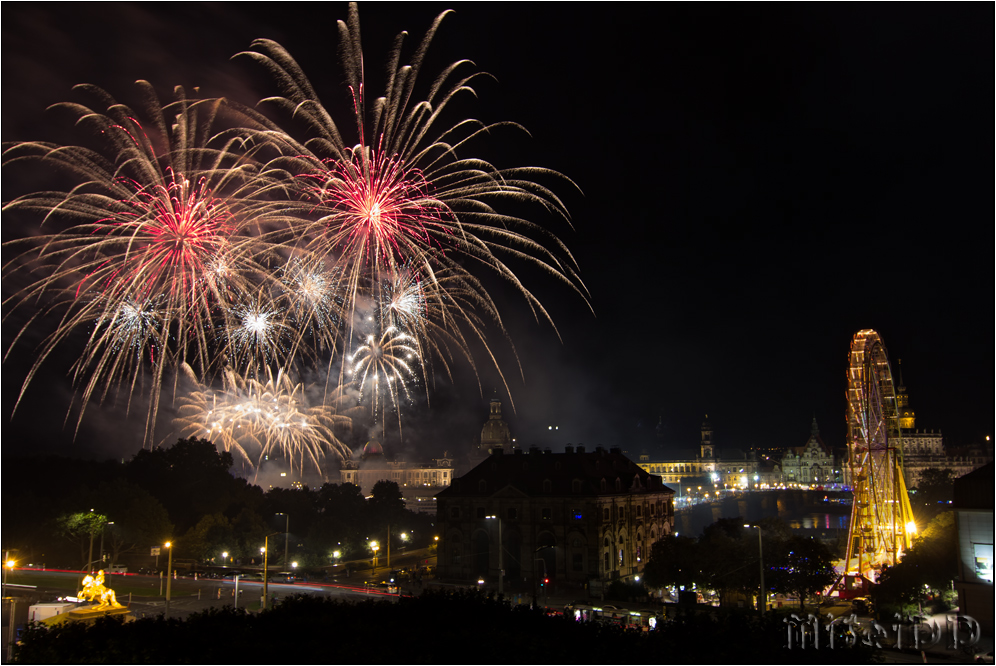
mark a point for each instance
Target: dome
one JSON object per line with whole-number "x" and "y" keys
{"x": 495, "y": 433}
{"x": 372, "y": 448}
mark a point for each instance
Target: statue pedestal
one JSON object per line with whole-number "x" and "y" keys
{"x": 89, "y": 614}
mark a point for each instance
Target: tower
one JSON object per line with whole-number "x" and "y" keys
{"x": 705, "y": 444}
{"x": 495, "y": 433}
{"x": 907, "y": 418}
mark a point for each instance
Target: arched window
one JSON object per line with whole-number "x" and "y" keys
{"x": 482, "y": 486}
{"x": 547, "y": 486}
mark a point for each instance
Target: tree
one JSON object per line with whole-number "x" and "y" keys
{"x": 139, "y": 519}
{"x": 212, "y": 535}
{"x": 81, "y": 527}
{"x": 925, "y": 571}
{"x": 805, "y": 567}
{"x": 190, "y": 478}
{"x": 724, "y": 567}
{"x": 674, "y": 560}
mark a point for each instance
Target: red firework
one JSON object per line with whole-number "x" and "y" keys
{"x": 375, "y": 209}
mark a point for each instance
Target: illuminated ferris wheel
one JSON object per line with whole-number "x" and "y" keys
{"x": 881, "y": 526}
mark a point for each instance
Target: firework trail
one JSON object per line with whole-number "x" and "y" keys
{"x": 149, "y": 242}
{"x": 263, "y": 417}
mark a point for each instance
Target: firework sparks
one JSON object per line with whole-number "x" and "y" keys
{"x": 402, "y": 196}
{"x": 383, "y": 366}
{"x": 167, "y": 240}
{"x": 314, "y": 299}
{"x": 139, "y": 227}
{"x": 261, "y": 418}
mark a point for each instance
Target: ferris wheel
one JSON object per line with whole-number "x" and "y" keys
{"x": 881, "y": 526}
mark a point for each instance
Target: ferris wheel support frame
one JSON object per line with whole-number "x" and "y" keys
{"x": 881, "y": 525}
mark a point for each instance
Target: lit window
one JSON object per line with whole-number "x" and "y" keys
{"x": 984, "y": 561}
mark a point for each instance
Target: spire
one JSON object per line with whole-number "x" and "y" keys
{"x": 814, "y": 431}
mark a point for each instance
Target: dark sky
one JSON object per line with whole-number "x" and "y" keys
{"x": 758, "y": 183}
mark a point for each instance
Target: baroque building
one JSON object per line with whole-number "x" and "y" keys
{"x": 418, "y": 482}
{"x": 706, "y": 467}
{"x": 813, "y": 463}
{"x": 924, "y": 449}
{"x": 577, "y": 518}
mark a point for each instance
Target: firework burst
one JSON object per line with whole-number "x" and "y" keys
{"x": 400, "y": 194}
{"x": 264, "y": 417}
{"x": 142, "y": 225}
{"x": 382, "y": 368}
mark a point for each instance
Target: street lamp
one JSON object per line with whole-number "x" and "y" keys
{"x": 224, "y": 557}
{"x": 763, "y": 599}
{"x": 102, "y": 527}
{"x": 8, "y": 566}
{"x": 501, "y": 567}
{"x": 286, "y": 534}
{"x": 374, "y": 547}
{"x": 169, "y": 575}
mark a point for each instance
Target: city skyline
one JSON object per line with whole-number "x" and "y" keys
{"x": 757, "y": 184}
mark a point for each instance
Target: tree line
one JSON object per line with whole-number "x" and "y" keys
{"x": 729, "y": 558}
{"x": 56, "y": 511}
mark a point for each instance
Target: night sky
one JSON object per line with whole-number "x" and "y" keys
{"x": 757, "y": 183}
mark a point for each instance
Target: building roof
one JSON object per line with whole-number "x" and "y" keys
{"x": 814, "y": 438}
{"x": 526, "y": 473}
{"x": 975, "y": 489}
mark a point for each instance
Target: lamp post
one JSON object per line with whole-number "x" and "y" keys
{"x": 169, "y": 575}
{"x": 501, "y": 566}
{"x": 286, "y": 535}
{"x": 374, "y": 547}
{"x": 8, "y": 566}
{"x": 103, "y": 527}
{"x": 224, "y": 558}
{"x": 763, "y": 598}
{"x": 266, "y": 577}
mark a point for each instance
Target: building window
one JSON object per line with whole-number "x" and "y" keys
{"x": 482, "y": 486}
{"x": 605, "y": 512}
{"x": 547, "y": 486}
{"x": 547, "y": 514}
{"x": 622, "y": 513}
{"x": 639, "y": 511}
{"x": 576, "y": 513}
{"x": 512, "y": 514}
{"x": 652, "y": 509}
{"x": 480, "y": 512}
{"x": 618, "y": 484}
{"x": 576, "y": 486}
{"x": 603, "y": 485}
{"x": 578, "y": 562}
{"x": 606, "y": 561}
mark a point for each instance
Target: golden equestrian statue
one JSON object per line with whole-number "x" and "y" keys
{"x": 93, "y": 588}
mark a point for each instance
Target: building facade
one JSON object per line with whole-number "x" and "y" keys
{"x": 574, "y": 518}
{"x": 706, "y": 470}
{"x": 418, "y": 482}
{"x": 813, "y": 463}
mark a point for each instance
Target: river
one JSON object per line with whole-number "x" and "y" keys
{"x": 817, "y": 512}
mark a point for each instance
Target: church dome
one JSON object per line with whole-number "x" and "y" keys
{"x": 372, "y": 448}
